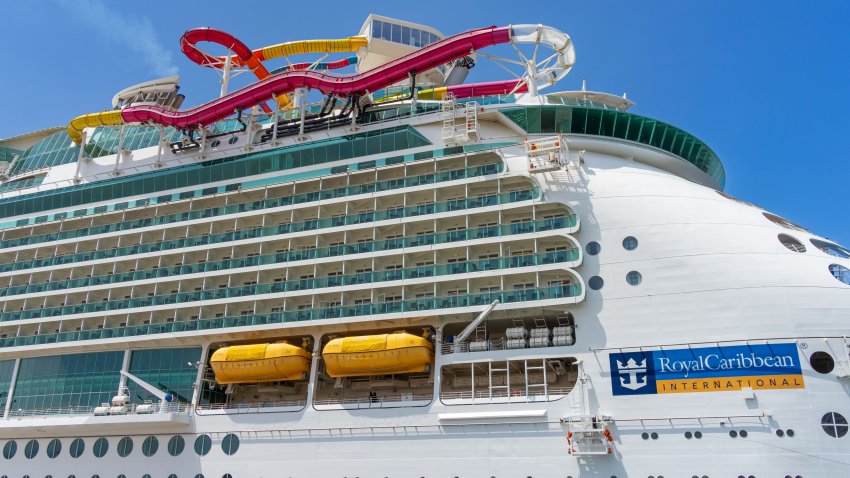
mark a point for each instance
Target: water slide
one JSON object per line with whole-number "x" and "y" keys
{"x": 252, "y": 59}
{"x": 393, "y": 72}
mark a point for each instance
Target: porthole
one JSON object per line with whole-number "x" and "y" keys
{"x": 733, "y": 433}
{"x": 232, "y": 140}
{"x": 146, "y": 476}
{"x": 595, "y": 282}
{"x": 9, "y": 450}
{"x": 840, "y": 272}
{"x": 95, "y": 476}
{"x": 176, "y": 445}
{"x": 54, "y": 448}
{"x": 697, "y": 434}
{"x": 31, "y": 450}
{"x": 834, "y": 424}
{"x": 593, "y": 248}
{"x": 215, "y": 144}
{"x": 150, "y": 446}
{"x": 831, "y": 249}
{"x": 100, "y": 447}
{"x": 634, "y": 278}
{"x": 203, "y": 444}
{"x": 780, "y": 433}
{"x": 689, "y": 435}
{"x": 230, "y": 444}
{"x": 199, "y": 475}
{"x": 173, "y": 475}
{"x": 790, "y": 432}
{"x": 122, "y": 476}
{"x": 644, "y": 435}
{"x": 78, "y": 446}
{"x": 791, "y": 243}
{"x": 782, "y": 222}
{"x": 653, "y": 435}
{"x": 743, "y": 433}
{"x": 125, "y": 447}
{"x": 227, "y": 475}
{"x": 822, "y": 362}
{"x": 630, "y": 243}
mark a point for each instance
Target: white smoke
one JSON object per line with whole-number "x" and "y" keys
{"x": 131, "y": 30}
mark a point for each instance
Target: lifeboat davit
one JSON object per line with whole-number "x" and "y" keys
{"x": 364, "y": 355}
{"x": 257, "y": 363}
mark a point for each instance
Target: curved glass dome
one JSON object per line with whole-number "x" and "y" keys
{"x": 574, "y": 116}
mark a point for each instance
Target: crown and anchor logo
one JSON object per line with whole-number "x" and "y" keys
{"x": 629, "y": 371}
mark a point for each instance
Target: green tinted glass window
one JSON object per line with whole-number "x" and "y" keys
{"x": 100, "y": 447}
{"x": 78, "y": 446}
{"x": 62, "y": 383}
{"x": 6, "y": 368}
{"x": 55, "y": 150}
{"x": 581, "y": 118}
{"x": 167, "y": 369}
{"x": 150, "y": 446}
{"x": 372, "y": 142}
{"x": 125, "y": 446}
{"x": 202, "y": 445}
{"x": 176, "y": 445}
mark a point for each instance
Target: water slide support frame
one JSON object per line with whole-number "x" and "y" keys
{"x": 280, "y": 84}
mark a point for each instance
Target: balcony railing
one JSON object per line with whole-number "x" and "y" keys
{"x": 258, "y": 205}
{"x": 346, "y": 311}
{"x": 282, "y": 286}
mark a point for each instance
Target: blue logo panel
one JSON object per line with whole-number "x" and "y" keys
{"x": 706, "y": 369}
{"x": 632, "y": 373}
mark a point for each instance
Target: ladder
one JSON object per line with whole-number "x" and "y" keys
{"x": 481, "y": 342}
{"x": 539, "y": 388}
{"x": 460, "y": 121}
{"x": 499, "y": 372}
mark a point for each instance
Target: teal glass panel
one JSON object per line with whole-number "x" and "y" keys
{"x": 55, "y": 150}
{"x": 65, "y": 383}
{"x": 170, "y": 370}
{"x": 21, "y": 183}
{"x": 217, "y": 170}
{"x": 105, "y": 141}
{"x": 524, "y": 295}
{"x": 584, "y": 117}
{"x": 6, "y": 369}
{"x": 9, "y": 154}
{"x": 254, "y": 206}
{"x": 411, "y": 241}
{"x": 492, "y": 200}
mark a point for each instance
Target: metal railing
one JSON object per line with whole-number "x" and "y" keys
{"x": 173, "y": 407}
{"x": 485, "y": 396}
{"x": 383, "y": 401}
{"x": 491, "y": 345}
{"x": 249, "y": 407}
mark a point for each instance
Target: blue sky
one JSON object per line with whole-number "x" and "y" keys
{"x": 764, "y": 83}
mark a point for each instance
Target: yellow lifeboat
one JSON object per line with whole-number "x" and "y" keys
{"x": 257, "y": 363}
{"x": 399, "y": 352}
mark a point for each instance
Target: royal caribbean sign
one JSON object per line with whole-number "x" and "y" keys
{"x": 706, "y": 369}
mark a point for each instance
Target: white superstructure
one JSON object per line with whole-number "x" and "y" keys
{"x": 578, "y": 298}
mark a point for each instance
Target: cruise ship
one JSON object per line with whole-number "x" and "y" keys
{"x": 364, "y": 264}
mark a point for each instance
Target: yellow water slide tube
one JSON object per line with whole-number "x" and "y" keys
{"x": 365, "y": 355}
{"x": 256, "y": 363}
{"x": 342, "y": 45}
{"x": 92, "y": 120}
